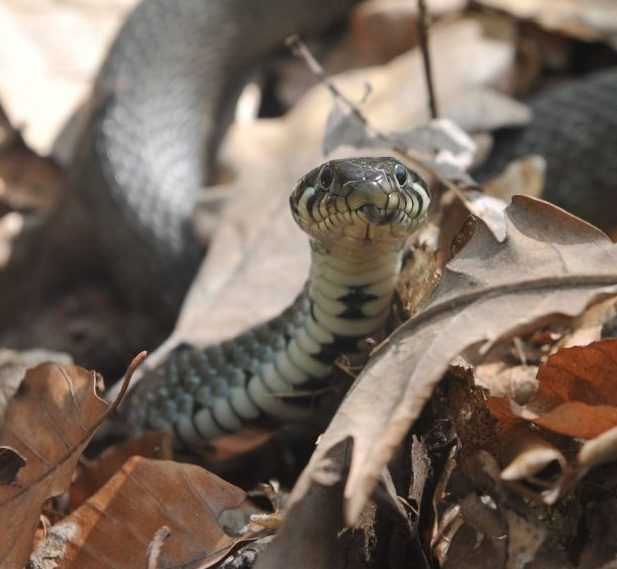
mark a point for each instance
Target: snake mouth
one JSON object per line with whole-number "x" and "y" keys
{"x": 377, "y": 215}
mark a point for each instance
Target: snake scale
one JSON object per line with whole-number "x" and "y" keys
{"x": 161, "y": 104}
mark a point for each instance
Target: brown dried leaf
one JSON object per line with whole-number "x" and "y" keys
{"x": 48, "y": 422}
{"x": 382, "y": 29}
{"x": 535, "y": 468}
{"x": 115, "y": 526}
{"x": 551, "y": 263}
{"x": 580, "y": 420}
{"x": 576, "y": 394}
{"x": 580, "y": 373}
{"x": 95, "y": 473}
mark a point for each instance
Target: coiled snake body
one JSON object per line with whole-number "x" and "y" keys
{"x": 358, "y": 214}
{"x": 161, "y": 103}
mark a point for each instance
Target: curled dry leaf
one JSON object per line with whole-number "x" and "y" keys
{"x": 600, "y": 450}
{"x": 588, "y": 327}
{"x": 550, "y": 263}
{"x": 48, "y": 422}
{"x": 115, "y": 527}
{"x": 535, "y": 468}
{"x": 576, "y": 394}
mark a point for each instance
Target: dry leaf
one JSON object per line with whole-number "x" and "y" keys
{"x": 524, "y": 540}
{"x": 95, "y": 473}
{"x": 589, "y": 20}
{"x": 601, "y": 450}
{"x": 522, "y": 176}
{"x": 588, "y": 326}
{"x": 575, "y": 398}
{"x": 518, "y": 382}
{"x": 115, "y": 526}
{"x": 13, "y": 366}
{"x": 551, "y": 263}
{"x": 382, "y": 29}
{"x": 48, "y": 422}
{"x": 43, "y": 74}
{"x": 576, "y": 395}
{"x": 535, "y": 468}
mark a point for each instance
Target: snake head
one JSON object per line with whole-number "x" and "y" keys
{"x": 360, "y": 203}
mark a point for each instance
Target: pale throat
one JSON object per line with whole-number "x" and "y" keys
{"x": 352, "y": 291}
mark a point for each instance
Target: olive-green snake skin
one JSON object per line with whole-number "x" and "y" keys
{"x": 358, "y": 213}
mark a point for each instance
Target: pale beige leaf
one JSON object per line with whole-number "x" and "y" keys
{"x": 523, "y": 176}
{"x": 49, "y": 52}
{"x": 591, "y": 20}
{"x": 551, "y": 263}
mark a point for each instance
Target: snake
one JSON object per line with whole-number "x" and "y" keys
{"x": 358, "y": 214}
{"x": 574, "y": 127}
{"x": 162, "y": 100}
{"x": 161, "y": 103}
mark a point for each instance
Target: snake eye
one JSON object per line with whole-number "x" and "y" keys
{"x": 400, "y": 173}
{"x": 326, "y": 177}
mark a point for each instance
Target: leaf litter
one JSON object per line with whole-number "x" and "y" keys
{"x": 489, "y": 327}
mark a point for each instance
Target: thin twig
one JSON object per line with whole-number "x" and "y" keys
{"x": 299, "y": 48}
{"x": 423, "y": 25}
{"x": 135, "y": 363}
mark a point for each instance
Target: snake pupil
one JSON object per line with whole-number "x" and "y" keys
{"x": 327, "y": 177}
{"x": 400, "y": 172}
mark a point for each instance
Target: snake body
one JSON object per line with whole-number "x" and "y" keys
{"x": 574, "y": 127}
{"x": 161, "y": 103}
{"x": 358, "y": 214}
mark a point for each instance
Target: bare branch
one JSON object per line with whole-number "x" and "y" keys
{"x": 423, "y": 35}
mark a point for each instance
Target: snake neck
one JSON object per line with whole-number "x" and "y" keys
{"x": 274, "y": 370}
{"x": 349, "y": 296}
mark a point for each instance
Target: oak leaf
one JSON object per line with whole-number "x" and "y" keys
{"x": 550, "y": 263}
{"x": 49, "y": 421}
{"x": 115, "y": 527}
